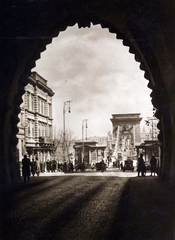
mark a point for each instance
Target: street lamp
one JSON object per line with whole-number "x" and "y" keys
{"x": 66, "y": 107}
{"x": 84, "y": 121}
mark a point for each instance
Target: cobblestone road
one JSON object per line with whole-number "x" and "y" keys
{"x": 75, "y": 207}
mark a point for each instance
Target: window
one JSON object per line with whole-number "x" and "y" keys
{"x": 42, "y": 106}
{"x": 32, "y": 103}
{"x": 28, "y": 101}
{"x": 33, "y": 129}
{"x": 29, "y": 129}
{"x": 42, "y": 130}
{"x": 39, "y": 105}
{"x": 46, "y": 131}
{"x": 39, "y": 129}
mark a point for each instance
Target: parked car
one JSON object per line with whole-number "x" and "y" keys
{"x": 128, "y": 165}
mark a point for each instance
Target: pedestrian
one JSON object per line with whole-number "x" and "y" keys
{"x": 61, "y": 167}
{"x": 121, "y": 166}
{"x": 102, "y": 166}
{"x": 53, "y": 166}
{"x": 33, "y": 167}
{"x": 48, "y": 165}
{"x": 26, "y": 168}
{"x": 71, "y": 167}
{"x": 153, "y": 163}
{"x": 141, "y": 166}
{"x": 38, "y": 167}
{"x": 65, "y": 167}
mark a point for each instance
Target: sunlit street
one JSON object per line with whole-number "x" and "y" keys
{"x": 108, "y": 172}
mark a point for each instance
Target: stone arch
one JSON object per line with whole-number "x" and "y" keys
{"x": 29, "y": 27}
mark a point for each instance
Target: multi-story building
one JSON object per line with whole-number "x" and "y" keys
{"x": 35, "y": 135}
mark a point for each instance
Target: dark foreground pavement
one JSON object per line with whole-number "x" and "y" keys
{"x": 88, "y": 208}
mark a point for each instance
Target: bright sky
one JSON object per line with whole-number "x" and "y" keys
{"x": 97, "y": 73}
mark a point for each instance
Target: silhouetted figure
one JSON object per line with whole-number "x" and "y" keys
{"x": 153, "y": 163}
{"x": 65, "y": 167}
{"x": 53, "y": 165}
{"x": 71, "y": 167}
{"x": 33, "y": 167}
{"x": 102, "y": 166}
{"x": 121, "y": 166}
{"x": 61, "y": 167}
{"x": 82, "y": 167}
{"x": 48, "y": 165}
{"x": 26, "y": 168}
{"x": 141, "y": 166}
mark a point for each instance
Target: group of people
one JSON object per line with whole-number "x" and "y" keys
{"x": 141, "y": 168}
{"x": 33, "y": 167}
{"x": 30, "y": 167}
{"x": 68, "y": 167}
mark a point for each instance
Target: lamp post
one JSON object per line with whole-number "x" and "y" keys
{"x": 84, "y": 121}
{"x": 66, "y": 106}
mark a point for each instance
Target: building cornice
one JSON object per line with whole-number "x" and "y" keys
{"x": 36, "y": 80}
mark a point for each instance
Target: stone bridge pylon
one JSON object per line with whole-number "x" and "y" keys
{"x": 126, "y": 135}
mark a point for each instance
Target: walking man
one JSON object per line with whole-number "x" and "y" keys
{"x": 26, "y": 168}
{"x": 153, "y": 163}
{"x": 141, "y": 166}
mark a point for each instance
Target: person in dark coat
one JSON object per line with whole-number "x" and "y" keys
{"x": 33, "y": 167}
{"x": 102, "y": 166}
{"x": 65, "y": 167}
{"x": 26, "y": 168}
{"x": 48, "y": 165}
{"x": 153, "y": 163}
{"x": 141, "y": 166}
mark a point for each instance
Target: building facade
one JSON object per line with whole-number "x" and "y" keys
{"x": 150, "y": 144}
{"x": 89, "y": 152}
{"x": 126, "y": 135}
{"x": 35, "y": 135}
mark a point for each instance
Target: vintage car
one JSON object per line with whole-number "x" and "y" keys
{"x": 128, "y": 165}
{"x": 100, "y": 167}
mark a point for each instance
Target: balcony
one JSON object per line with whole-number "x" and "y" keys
{"x": 45, "y": 140}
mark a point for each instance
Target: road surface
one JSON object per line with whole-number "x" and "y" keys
{"x": 108, "y": 172}
{"x": 88, "y": 207}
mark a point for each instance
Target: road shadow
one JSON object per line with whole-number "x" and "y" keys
{"x": 145, "y": 211}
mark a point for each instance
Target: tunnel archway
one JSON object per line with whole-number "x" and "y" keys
{"x": 29, "y": 27}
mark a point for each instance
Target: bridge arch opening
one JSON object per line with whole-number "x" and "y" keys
{"x": 85, "y": 65}
{"x": 35, "y": 37}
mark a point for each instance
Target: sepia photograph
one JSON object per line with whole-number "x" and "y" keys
{"x": 87, "y": 120}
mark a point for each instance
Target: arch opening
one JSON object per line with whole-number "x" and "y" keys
{"x": 33, "y": 47}
{"x": 72, "y": 67}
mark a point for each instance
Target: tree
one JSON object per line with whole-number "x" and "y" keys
{"x": 63, "y": 145}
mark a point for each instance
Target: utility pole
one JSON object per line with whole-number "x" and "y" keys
{"x": 84, "y": 121}
{"x": 65, "y": 104}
